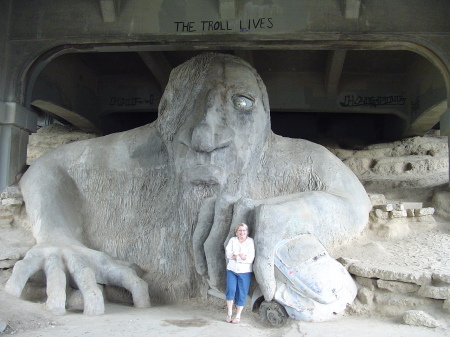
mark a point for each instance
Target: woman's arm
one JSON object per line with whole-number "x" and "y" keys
{"x": 229, "y": 252}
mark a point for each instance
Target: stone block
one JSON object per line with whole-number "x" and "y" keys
{"x": 6, "y": 264}
{"x": 9, "y": 255}
{"x": 365, "y": 296}
{"x": 6, "y": 221}
{"x": 399, "y": 207}
{"x": 410, "y": 213}
{"x": 398, "y": 214}
{"x": 439, "y": 293}
{"x": 424, "y": 211}
{"x": 345, "y": 261}
{"x": 441, "y": 203}
{"x": 386, "y": 207}
{"x": 366, "y": 282}
{"x": 446, "y": 305}
{"x": 412, "y": 205}
{"x": 377, "y": 199}
{"x": 398, "y": 287}
{"x": 401, "y": 300}
{"x": 6, "y": 216}
{"x": 408, "y": 276}
{"x": 420, "y": 318}
{"x": 440, "y": 277}
{"x": 380, "y": 214}
{"x": 11, "y": 192}
{"x": 12, "y": 202}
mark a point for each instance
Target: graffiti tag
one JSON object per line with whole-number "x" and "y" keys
{"x": 372, "y": 101}
{"x": 131, "y": 101}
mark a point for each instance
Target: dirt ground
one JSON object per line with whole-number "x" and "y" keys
{"x": 193, "y": 319}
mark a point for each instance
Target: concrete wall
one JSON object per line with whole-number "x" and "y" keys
{"x": 15, "y": 121}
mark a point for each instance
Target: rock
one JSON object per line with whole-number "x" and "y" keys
{"x": 6, "y": 221}
{"x": 346, "y": 262}
{"x": 360, "y": 165}
{"x": 446, "y": 305}
{"x": 409, "y": 276}
{"x": 424, "y": 211}
{"x": 9, "y": 254}
{"x": 51, "y": 137}
{"x": 12, "y": 191}
{"x": 75, "y": 300}
{"x": 386, "y": 207}
{"x": 420, "y": 318}
{"x": 399, "y": 207}
{"x": 437, "y": 277}
{"x": 439, "y": 293}
{"x": 412, "y": 204}
{"x": 366, "y": 282}
{"x": 401, "y": 300}
{"x": 397, "y": 227}
{"x": 377, "y": 199}
{"x": 441, "y": 202}
{"x": 378, "y": 214}
{"x": 12, "y": 202}
{"x": 6, "y": 217}
{"x": 398, "y": 287}
{"x": 5, "y": 264}
{"x": 365, "y": 296}
{"x": 398, "y": 214}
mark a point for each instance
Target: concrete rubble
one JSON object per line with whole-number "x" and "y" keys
{"x": 51, "y": 137}
{"x": 420, "y": 318}
{"x": 413, "y": 167}
{"x": 404, "y": 267}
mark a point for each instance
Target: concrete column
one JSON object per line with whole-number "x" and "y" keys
{"x": 445, "y": 128}
{"x": 16, "y": 123}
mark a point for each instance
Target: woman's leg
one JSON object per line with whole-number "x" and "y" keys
{"x": 229, "y": 310}
{"x": 243, "y": 285}
{"x": 230, "y": 293}
{"x": 239, "y": 309}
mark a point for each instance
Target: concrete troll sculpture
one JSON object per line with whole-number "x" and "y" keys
{"x": 166, "y": 196}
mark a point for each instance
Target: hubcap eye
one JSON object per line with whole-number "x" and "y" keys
{"x": 243, "y": 103}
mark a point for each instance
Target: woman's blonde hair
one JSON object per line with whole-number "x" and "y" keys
{"x": 240, "y": 225}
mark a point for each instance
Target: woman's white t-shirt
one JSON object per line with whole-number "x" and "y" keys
{"x": 235, "y": 247}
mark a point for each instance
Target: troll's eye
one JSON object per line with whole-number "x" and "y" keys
{"x": 243, "y": 103}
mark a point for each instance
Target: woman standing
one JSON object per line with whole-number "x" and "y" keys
{"x": 240, "y": 252}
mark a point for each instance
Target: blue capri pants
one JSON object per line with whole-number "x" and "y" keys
{"x": 237, "y": 287}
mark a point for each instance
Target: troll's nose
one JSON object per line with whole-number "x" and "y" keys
{"x": 203, "y": 138}
{"x": 207, "y": 136}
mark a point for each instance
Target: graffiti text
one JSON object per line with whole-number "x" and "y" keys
{"x": 372, "y": 101}
{"x": 131, "y": 101}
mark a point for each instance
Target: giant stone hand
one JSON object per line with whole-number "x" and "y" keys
{"x": 86, "y": 267}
